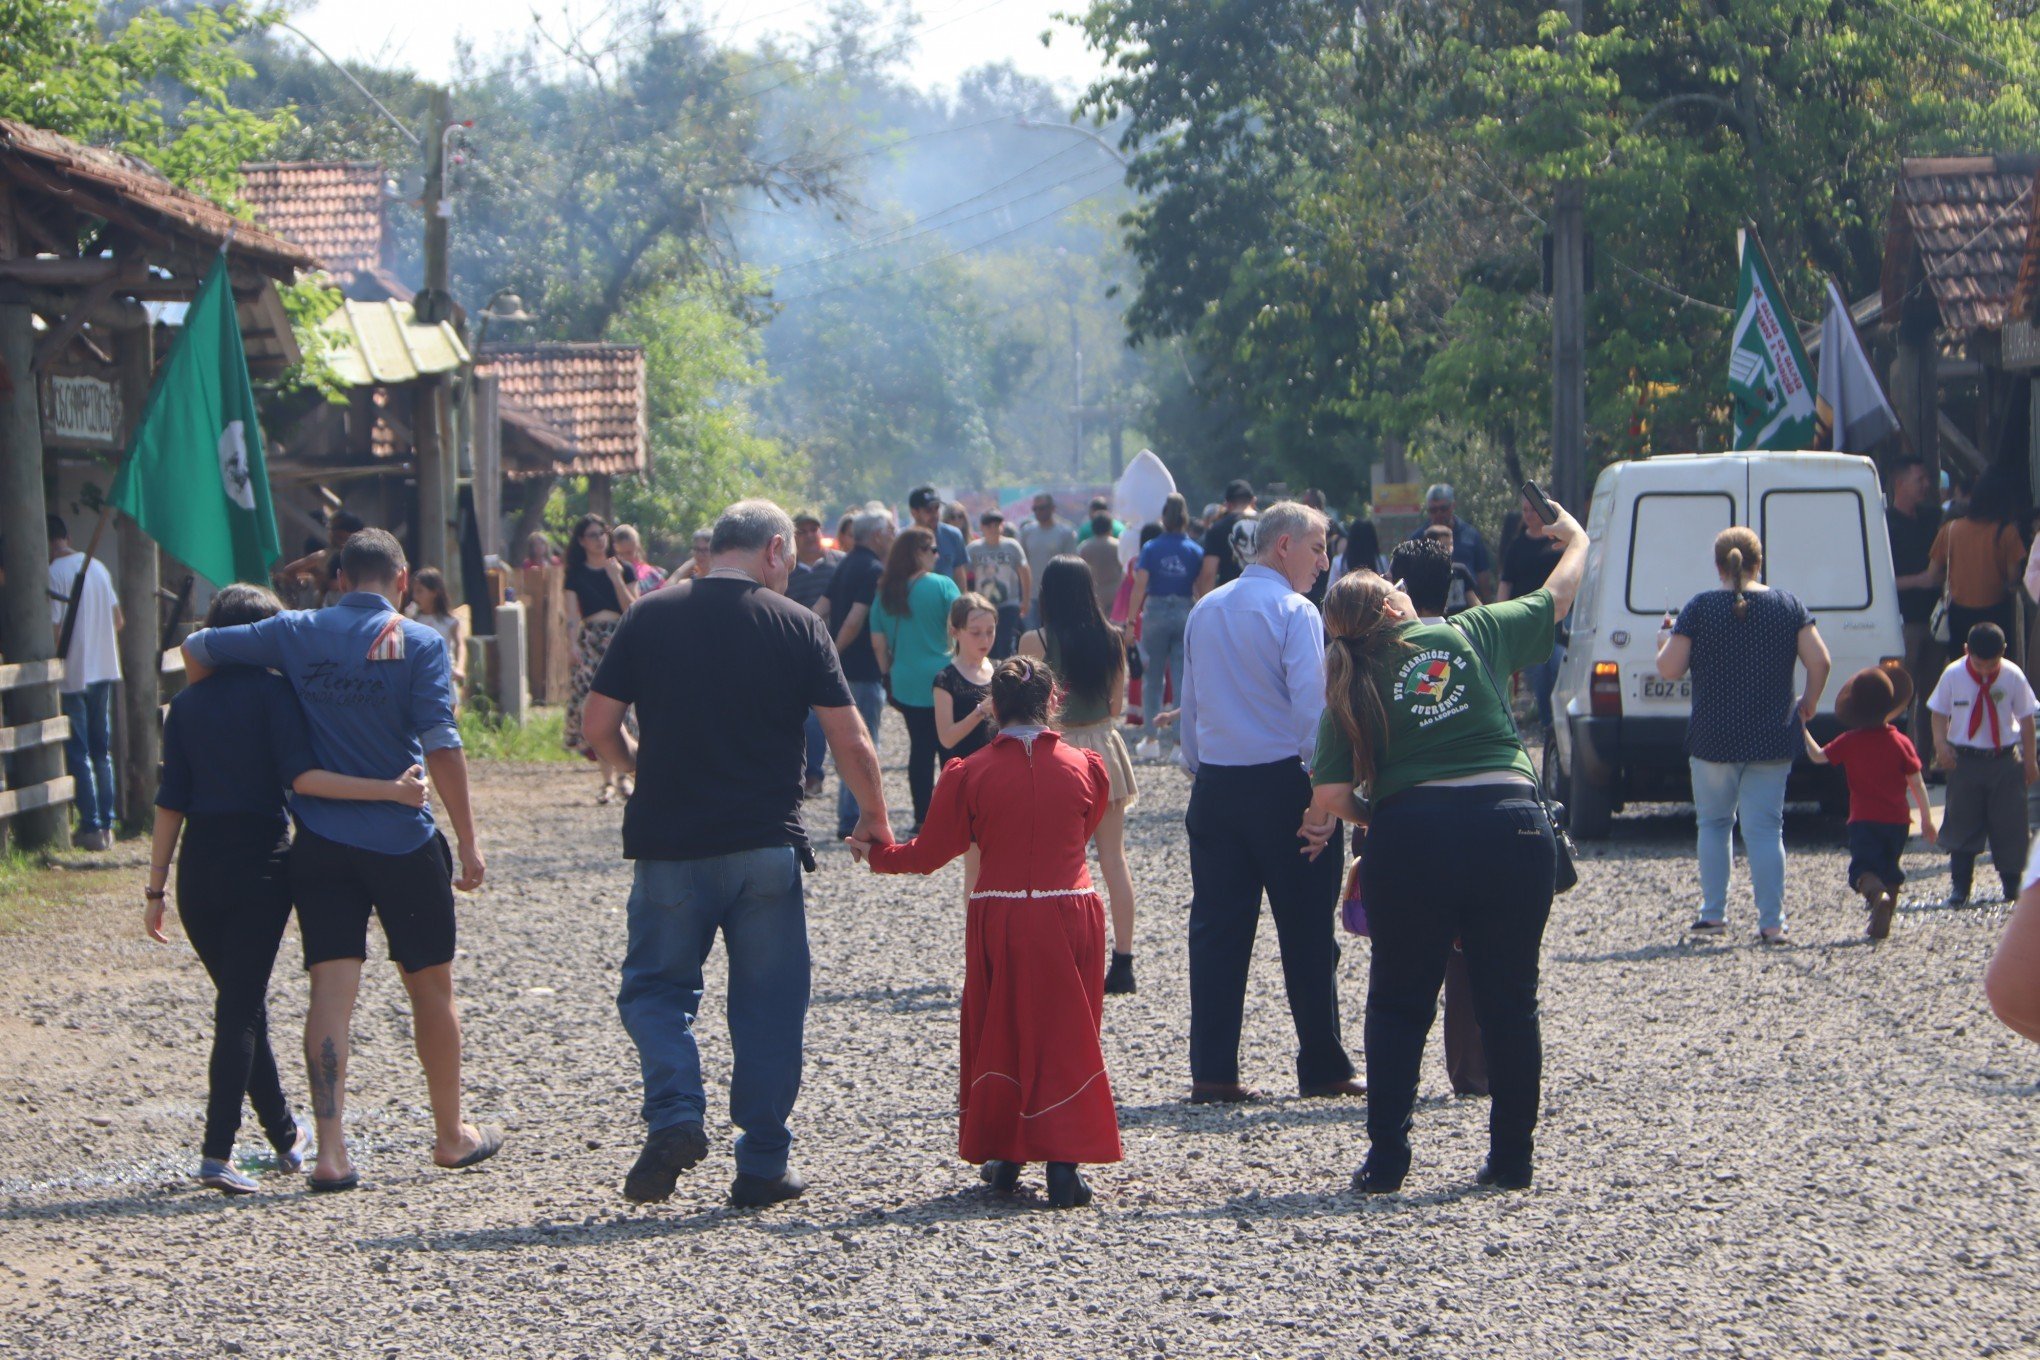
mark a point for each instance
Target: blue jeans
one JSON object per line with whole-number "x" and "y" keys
{"x": 1543, "y": 677}
{"x": 676, "y": 907}
{"x": 869, "y": 696}
{"x": 817, "y": 746}
{"x": 89, "y": 753}
{"x": 1161, "y": 652}
{"x": 1753, "y": 794}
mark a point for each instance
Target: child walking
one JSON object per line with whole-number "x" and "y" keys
{"x": 431, "y": 606}
{"x": 233, "y": 744}
{"x": 1032, "y": 1086}
{"x": 1983, "y": 738}
{"x": 1882, "y": 769}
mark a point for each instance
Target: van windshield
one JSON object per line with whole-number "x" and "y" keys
{"x": 1671, "y": 547}
{"x": 1816, "y": 546}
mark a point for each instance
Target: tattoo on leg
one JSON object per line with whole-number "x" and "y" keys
{"x": 326, "y": 1082}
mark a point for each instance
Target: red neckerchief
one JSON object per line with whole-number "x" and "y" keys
{"x": 1984, "y": 701}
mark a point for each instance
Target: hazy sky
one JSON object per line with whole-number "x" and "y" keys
{"x": 951, "y": 36}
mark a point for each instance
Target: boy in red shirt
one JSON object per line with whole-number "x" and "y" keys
{"x": 1882, "y": 768}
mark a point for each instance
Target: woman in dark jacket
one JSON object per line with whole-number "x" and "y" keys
{"x": 233, "y": 745}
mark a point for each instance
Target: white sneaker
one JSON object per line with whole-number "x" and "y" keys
{"x": 1149, "y": 749}
{"x": 1177, "y": 757}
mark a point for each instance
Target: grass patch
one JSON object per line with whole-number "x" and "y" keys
{"x": 487, "y": 736}
{"x": 25, "y": 888}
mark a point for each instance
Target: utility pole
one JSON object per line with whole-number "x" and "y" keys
{"x": 434, "y": 302}
{"x": 1569, "y": 329}
{"x": 432, "y": 445}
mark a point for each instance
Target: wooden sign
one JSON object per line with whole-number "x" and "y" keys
{"x": 81, "y": 410}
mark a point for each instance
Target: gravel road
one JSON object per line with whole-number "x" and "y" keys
{"x": 1826, "y": 1150}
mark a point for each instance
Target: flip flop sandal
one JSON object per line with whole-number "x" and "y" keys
{"x": 491, "y": 1136}
{"x": 350, "y": 1181}
{"x": 604, "y": 798}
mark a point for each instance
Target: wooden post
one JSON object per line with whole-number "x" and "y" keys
{"x": 1915, "y": 385}
{"x": 141, "y": 662}
{"x": 600, "y": 499}
{"x": 25, "y": 632}
{"x": 435, "y": 498}
{"x": 486, "y": 423}
{"x": 1569, "y": 325}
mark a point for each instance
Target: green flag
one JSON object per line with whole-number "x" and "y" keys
{"x": 1767, "y": 371}
{"x": 194, "y": 479}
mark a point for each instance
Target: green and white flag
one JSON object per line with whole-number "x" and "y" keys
{"x": 194, "y": 479}
{"x": 1767, "y": 371}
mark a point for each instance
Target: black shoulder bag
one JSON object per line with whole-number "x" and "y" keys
{"x": 1567, "y": 874}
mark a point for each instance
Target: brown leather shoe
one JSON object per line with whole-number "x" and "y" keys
{"x": 1351, "y": 1086}
{"x": 1221, "y": 1093}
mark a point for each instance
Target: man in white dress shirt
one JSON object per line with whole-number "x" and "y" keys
{"x": 1253, "y": 687}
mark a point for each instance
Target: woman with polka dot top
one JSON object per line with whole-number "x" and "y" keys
{"x": 1740, "y": 644}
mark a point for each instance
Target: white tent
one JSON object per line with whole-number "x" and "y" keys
{"x": 1137, "y": 498}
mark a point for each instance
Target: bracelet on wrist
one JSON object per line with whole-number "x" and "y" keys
{"x": 154, "y": 894}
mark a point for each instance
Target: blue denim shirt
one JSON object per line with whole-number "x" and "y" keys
{"x": 370, "y": 716}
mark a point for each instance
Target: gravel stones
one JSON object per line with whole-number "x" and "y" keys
{"x": 1825, "y": 1150}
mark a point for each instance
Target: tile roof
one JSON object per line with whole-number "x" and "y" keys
{"x": 98, "y": 182}
{"x": 1959, "y": 227}
{"x": 592, "y": 396}
{"x": 334, "y": 209}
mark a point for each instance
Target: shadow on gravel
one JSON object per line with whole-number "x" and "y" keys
{"x": 165, "y": 1204}
{"x": 931, "y": 996}
{"x": 1181, "y": 1114}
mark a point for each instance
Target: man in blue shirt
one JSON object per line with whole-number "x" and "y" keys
{"x": 1253, "y": 687}
{"x": 1163, "y": 576}
{"x": 378, "y": 697}
{"x": 951, "y": 556}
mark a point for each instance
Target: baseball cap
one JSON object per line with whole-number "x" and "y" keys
{"x": 992, "y": 516}
{"x": 921, "y": 497}
{"x": 1238, "y": 489}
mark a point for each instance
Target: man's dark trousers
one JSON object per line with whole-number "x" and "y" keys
{"x": 1243, "y": 824}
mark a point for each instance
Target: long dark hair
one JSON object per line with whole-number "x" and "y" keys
{"x": 1090, "y": 651}
{"x": 434, "y": 581}
{"x": 1364, "y": 640}
{"x": 902, "y": 565}
{"x": 577, "y": 556}
{"x": 1363, "y": 546}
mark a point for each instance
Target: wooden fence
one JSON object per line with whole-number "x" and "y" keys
{"x": 31, "y": 736}
{"x": 549, "y": 648}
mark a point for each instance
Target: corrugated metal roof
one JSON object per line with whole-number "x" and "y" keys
{"x": 389, "y": 345}
{"x": 1958, "y": 229}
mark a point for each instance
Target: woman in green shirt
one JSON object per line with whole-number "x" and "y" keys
{"x": 1459, "y": 846}
{"x": 1088, "y": 656}
{"x": 910, "y": 636}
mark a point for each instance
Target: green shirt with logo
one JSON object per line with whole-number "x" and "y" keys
{"x": 1445, "y": 719}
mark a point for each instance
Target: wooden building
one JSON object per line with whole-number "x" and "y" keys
{"x": 90, "y": 242}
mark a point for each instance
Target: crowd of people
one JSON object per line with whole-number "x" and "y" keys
{"x": 1304, "y": 679}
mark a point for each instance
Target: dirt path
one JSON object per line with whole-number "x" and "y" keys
{"x": 1821, "y": 1151}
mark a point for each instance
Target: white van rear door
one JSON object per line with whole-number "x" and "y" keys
{"x": 1679, "y": 508}
{"x": 1821, "y": 518}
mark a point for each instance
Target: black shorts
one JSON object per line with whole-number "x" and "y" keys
{"x": 336, "y": 886}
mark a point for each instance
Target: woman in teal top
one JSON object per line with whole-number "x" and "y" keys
{"x": 1458, "y": 844}
{"x": 910, "y": 634}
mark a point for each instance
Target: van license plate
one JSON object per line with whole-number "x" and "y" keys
{"x": 1655, "y": 687}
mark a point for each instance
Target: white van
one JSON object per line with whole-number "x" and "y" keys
{"x": 1620, "y": 729}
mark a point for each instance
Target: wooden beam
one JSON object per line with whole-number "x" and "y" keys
{"x": 53, "y": 793}
{"x": 42, "y": 732}
{"x": 59, "y": 335}
{"x": 21, "y": 674}
{"x": 64, "y": 272}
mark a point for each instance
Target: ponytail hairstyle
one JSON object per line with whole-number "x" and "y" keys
{"x": 1023, "y": 692}
{"x": 1365, "y": 639}
{"x": 1739, "y": 557}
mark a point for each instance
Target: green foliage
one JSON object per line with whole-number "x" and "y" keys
{"x": 157, "y": 87}
{"x": 1343, "y": 206}
{"x": 486, "y": 736}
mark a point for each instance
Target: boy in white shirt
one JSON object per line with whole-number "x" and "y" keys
{"x": 1983, "y": 711}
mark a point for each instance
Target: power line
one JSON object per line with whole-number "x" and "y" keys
{"x": 947, "y": 255}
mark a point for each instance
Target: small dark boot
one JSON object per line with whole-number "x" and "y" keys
{"x": 759, "y": 1192}
{"x": 1119, "y": 977}
{"x": 1001, "y": 1176}
{"x": 1067, "y": 1188}
{"x": 667, "y": 1153}
{"x": 1504, "y": 1175}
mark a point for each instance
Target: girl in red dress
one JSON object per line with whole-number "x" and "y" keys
{"x": 1033, "y": 1086}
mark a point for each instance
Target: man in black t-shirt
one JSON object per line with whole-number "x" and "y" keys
{"x": 1224, "y": 540}
{"x": 850, "y": 598}
{"x": 1913, "y": 520}
{"x": 1525, "y": 567}
{"x": 715, "y": 828}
